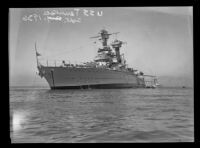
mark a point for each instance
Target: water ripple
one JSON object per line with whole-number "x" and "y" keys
{"x": 127, "y": 115}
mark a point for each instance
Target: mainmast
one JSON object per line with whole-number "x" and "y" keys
{"x": 117, "y": 45}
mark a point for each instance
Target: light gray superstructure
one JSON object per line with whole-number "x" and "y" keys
{"x": 108, "y": 70}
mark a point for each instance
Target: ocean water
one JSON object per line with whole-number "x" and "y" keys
{"x": 101, "y": 115}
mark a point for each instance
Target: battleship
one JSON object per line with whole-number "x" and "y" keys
{"x": 107, "y": 70}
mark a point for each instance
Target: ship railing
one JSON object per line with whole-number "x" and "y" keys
{"x": 67, "y": 63}
{"x": 149, "y": 76}
{"x": 150, "y": 81}
{"x": 51, "y": 63}
{"x": 63, "y": 63}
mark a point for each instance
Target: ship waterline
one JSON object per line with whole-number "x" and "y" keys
{"x": 75, "y": 78}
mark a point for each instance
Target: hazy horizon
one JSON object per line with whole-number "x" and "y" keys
{"x": 159, "y": 41}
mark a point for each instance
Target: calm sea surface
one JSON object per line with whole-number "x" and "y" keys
{"x": 101, "y": 115}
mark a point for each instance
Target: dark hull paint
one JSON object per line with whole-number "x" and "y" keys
{"x": 99, "y": 86}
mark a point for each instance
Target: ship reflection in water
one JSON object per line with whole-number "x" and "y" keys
{"x": 104, "y": 115}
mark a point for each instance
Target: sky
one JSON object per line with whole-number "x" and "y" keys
{"x": 159, "y": 40}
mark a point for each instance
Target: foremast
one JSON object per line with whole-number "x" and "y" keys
{"x": 106, "y": 54}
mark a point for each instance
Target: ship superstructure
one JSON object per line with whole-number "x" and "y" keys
{"x": 107, "y": 70}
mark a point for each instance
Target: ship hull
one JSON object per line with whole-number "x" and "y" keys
{"x": 86, "y": 78}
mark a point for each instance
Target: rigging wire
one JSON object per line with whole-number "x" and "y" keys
{"x": 69, "y": 51}
{"x": 54, "y": 60}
